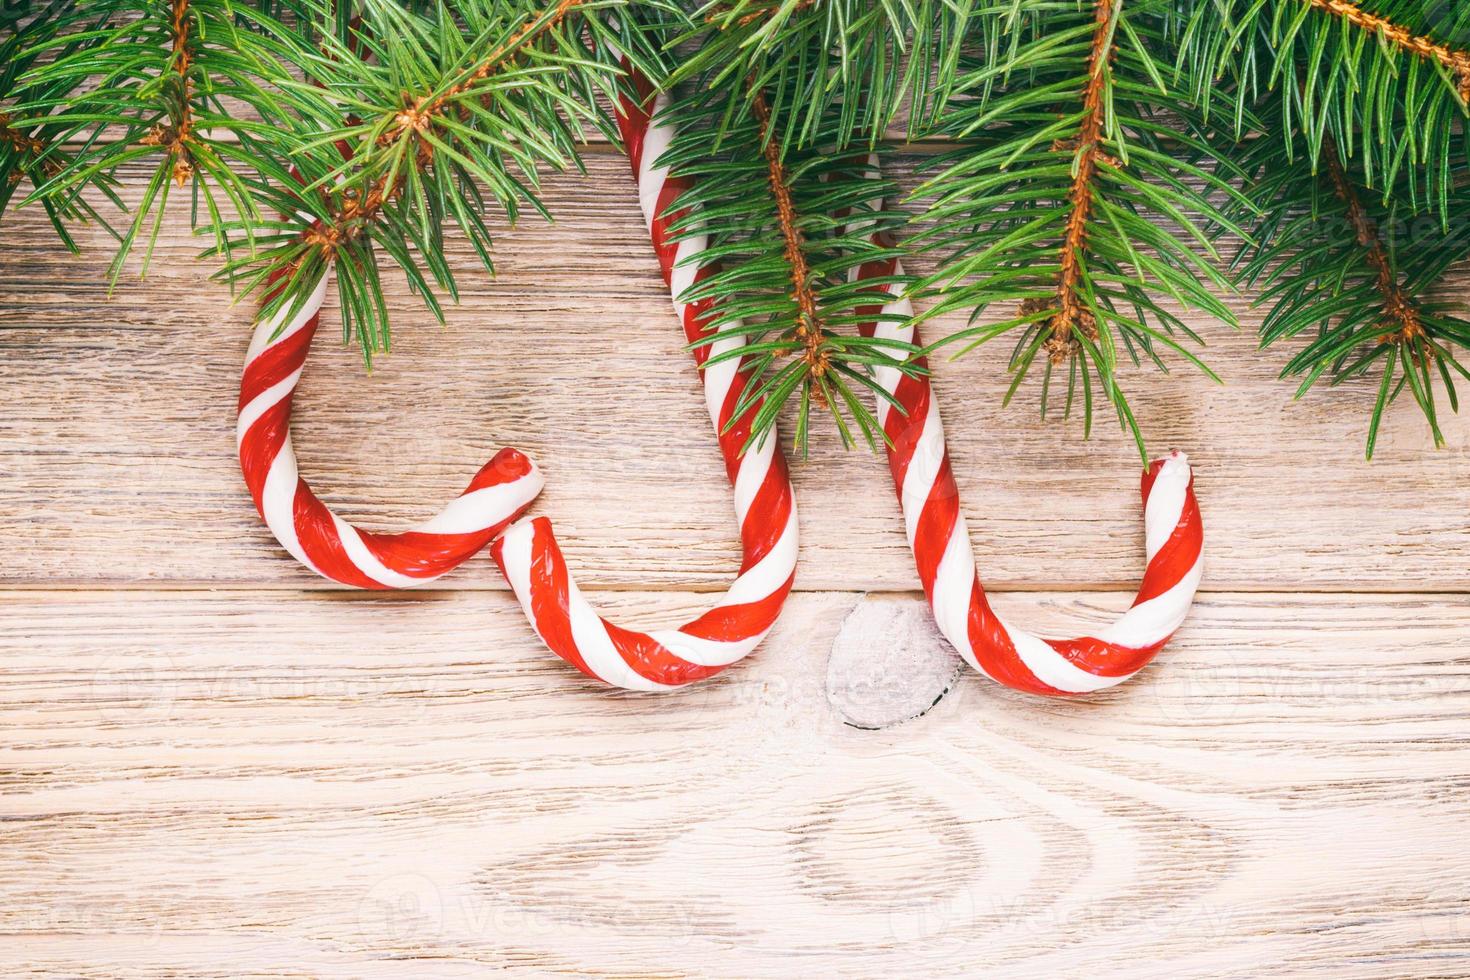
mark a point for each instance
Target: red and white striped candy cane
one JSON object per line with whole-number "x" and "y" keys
{"x": 764, "y": 503}
{"x": 321, "y": 540}
{"x": 929, "y": 498}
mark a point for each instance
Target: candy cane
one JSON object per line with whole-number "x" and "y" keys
{"x": 764, "y": 503}
{"x": 929, "y": 499}
{"x": 315, "y": 536}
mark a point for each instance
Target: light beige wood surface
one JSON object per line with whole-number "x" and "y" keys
{"x": 214, "y": 764}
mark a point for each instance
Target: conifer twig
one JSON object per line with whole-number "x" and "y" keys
{"x": 1069, "y": 200}
{"x": 1400, "y": 308}
{"x": 418, "y": 117}
{"x": 360, "y": 208}
{"x": 1455, "y": 61}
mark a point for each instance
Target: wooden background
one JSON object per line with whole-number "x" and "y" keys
{"x": 213, "y": 763}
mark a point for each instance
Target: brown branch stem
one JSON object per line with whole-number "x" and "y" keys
{"x": 32, "y": 146}
{"x": 175, "y": 135}
{"x": 808, "y": 322}
{"x": 19, "y": 141}
{"x": 1072, "y": 314}
{"x": 1400, "y": 309}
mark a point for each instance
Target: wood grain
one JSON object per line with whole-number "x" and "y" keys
{"x": 235, "y": 782}
{"x": 117, "y": 460}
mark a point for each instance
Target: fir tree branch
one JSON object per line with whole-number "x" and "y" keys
{"x": 1084, "y": 191}
{"x": 1456, "y": 62}
{"x": 1387, "y": 80}
{"x": 811, "y": 57}
{"x": 30, "y": 147}
{"x": 411, "y": 124}
{"x": 1354, "y": 272}
{"x": 130, "y": 80}
{"x": 415, "y": 119}
{"x": 1074, "y": 192}
{"x": 780, "y": 262}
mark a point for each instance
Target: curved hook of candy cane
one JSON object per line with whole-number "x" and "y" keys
{"x": 323, "y": 542}
{"x": 929, "y": 499}
{"x": 765, "y": 504}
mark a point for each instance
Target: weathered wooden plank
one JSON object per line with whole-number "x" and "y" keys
{"x": 116, "y": 445}
{"x": 222, "y": 783}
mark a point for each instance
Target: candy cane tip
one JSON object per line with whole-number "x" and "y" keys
{"x": 1174, "y": 460}
{"x": 1171, "y": 469}
{"x": 506, "y": 466}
